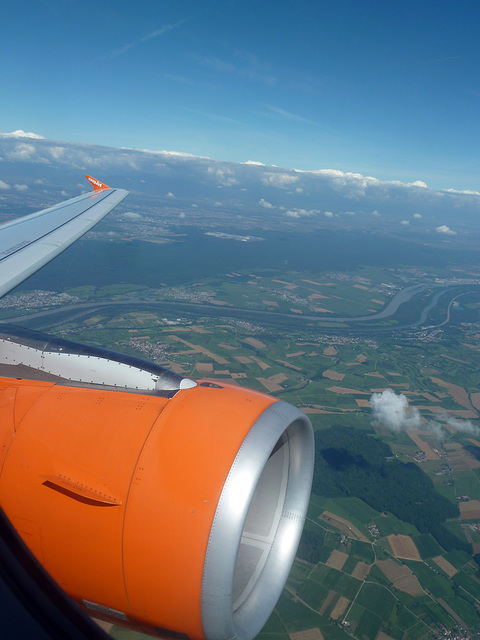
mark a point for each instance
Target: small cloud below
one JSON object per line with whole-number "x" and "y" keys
{"x": 405, "y": 222}
{"x": 392, "y": 412}
{"x": 300, "y": 213}
{"x": 170, "y": 195}
{"x": 131, "y": 215}
{"x": 417, "y": 215}
{"x": 4, "y": 186}
{"x": 20, "y": 187}
{"x": 328, "y": 214}
{"x": 265, "y": 204}
{"x": 445, "y": 230}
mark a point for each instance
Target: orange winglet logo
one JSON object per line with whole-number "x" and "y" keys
{"x": 97, "y": 185}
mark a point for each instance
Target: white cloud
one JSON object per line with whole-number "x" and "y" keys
{"x": 20, "y": 187}
{"x": 19, "y": 133}
{"x": 354, "y": 185}
{"x": 175, "y": 154}
{"x": 465, "y": 426}
{"x": 195, "y": 206}
{"x": 170, "y": 195}
{"x": 405, "y": 222}
{"x": 131, "y": 215}
{"x": 225, "y": 177}
{"x": 299, "y": 190}
{"x": 22, "y": 151}
{"x": 264, "y": 203}
{"x": 417, "y": 215}
{"x": 56, "y": 152}
{"x": 182, "y": 215}
{"x": 4, "y": 185}
{"x": 445, "y": 230}
{"x": 259, "y": 164}
{"x": 299, "y": 213}
{"x": 393, "y": 413}
{"x": 280, "y": 180}
{"x": 418, "y": 183}
{"x": 465, "y": 192}
{"x": 328, "y": 214}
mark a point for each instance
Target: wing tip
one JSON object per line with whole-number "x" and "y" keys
{"x": 97, "y": 185}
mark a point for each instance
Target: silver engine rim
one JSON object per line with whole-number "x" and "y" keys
{"x": 260, "y": 515}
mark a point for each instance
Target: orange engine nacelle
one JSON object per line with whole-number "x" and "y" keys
{"x": 169, "y": 516}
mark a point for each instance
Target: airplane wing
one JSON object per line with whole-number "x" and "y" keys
{"x": 28, "y": 243}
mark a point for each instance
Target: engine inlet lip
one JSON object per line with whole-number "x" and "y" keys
{"x": 219, "y": 620}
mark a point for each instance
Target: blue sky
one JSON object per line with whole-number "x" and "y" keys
{"x": 387, "y": 89}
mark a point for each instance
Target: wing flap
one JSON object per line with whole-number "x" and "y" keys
{"x": 28, "y": 243}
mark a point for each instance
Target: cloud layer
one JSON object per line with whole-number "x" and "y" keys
{"x": 326, "y": 196}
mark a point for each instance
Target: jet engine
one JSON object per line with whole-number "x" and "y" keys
{"x": 175, "y": 511}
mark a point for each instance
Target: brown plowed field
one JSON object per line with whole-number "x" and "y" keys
{"x": 361, "y": 570}
{"x": 339, "y": 608}
{"x": 400, "y": 576}
{"x": 337, "y": 559}
{"x": 273, "y": 383}
{"x": 445, "y": 565}
{"x": 461, "y": 459}
{"x": 403, "y": 547}
{"x": 381, "y": 635}
{"x": 349, "y": 391}
{"x": 469, "y": 510}
{"x": 410, "y": 585}
{"x": 253, "y": 342}
{"x": 424, "y": 446}
{"x": 330, "y": 351}
{"x": 458, "y": 393}
{"x": 392, "y": 570}
{"x": 308, "y": 634}
{"x": 204, "y": 367}
{"x": 333, "y": 375}
{"x": 362, "y": 403}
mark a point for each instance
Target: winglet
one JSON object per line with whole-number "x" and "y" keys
{"x": 97, "y": 185}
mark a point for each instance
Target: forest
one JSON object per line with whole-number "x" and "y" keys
{"x": 351, "y": 462}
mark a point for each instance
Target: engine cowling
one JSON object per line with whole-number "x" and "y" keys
{"x": 170, "y": 516}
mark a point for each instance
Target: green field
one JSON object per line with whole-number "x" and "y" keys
{"x": 228, "y": 329}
